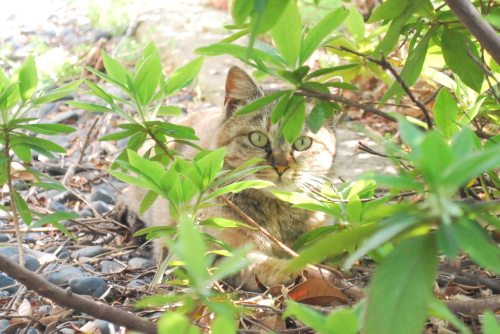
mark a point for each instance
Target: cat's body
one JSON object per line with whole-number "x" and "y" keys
{"x": 305, "y": 164}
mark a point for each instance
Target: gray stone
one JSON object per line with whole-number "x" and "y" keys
{"x": 65, "y": 196}
{"x": 8, "y": 251}
{"x": 31, "y": 237}
{"x": 109, "y": 267}
{"x": 7, "y": 281}
{"x": 4, "y": 237}
{"x": 4, "y": 323}
{"x": 103, "y": 193}
{"x": 140, "y": 262}
{"x": 30, "y": 262}
{"x": 64, "y": 274}
{"x": 90, "y": 251}
{"x": 86, "y": 213}
{"x": 106, "y": 327}
{"x": 57, "y": 206}
{"x": 70, "y": 115}
{"x": 139, "y": 283}
{"x": 94, "y": 286}
{"x": 101, "y": 207}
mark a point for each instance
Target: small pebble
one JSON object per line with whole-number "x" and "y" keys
{"x": 103, "y": 193}
{"x": 65, "y": 196}
{"x": 57, "y": 206}
{"x": 94, "y": 286}
{"x": 8, "y": 251}
{"x": 86, "y": 213}
{"x": 109, "y": 267}
{"x": 62, "y": 276}
{"x": 140, "y": 262}
{"x": 61, "y": 117}
{"x": 30, "y": 262}
{"x": 4, "y": 324}
{"x": 4, "y": 238}
{"x": 101, "y": 206}
{"x": 138, "y": 283}
{"x": 90, "y": 251}
{"x": 7, "y": 281}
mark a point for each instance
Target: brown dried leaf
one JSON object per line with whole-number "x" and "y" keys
{"x": 25, "y": 309}
{"x": 90, "y": 327}
{"x": 317, "y": 292}
{"x": 275, "y": 322}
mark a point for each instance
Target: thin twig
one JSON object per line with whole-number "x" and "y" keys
{"x": 386, "y": 65}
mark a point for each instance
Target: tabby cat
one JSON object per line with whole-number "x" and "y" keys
{"x": 303, "y": 165}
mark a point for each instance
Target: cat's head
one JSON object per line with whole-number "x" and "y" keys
{"x": 305, "y": 164}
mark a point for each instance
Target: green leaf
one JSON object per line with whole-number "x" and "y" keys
{"x": 48, "y": 129}
{"x": 211, "y": 164}
{"x": 287, "y": 34}
{"x": 237, "y": 51}
{"x": 231, "y": 264}
{"x": 490, "y": 323}
{"x": 342, "y": 321}
{"x": 447, "y": 241}
{"x": 320, "y": 31}
{"x": 22, "y": 208}
{"x": 118, "y": 135}
{"x": 23, "y": 152}
{"x": 39, "y": 143}
{"x": 456, "y": 48}
{"x": 331, "y": 245}
{"x": 122, "y": 85}
{"x": 174, "y": 322}
{"x": 411, "y": 70}
{"x": 241, "y": 10}
{"x": 116, "y": 71}
{"x": 281, "y": 107}
{"x": 147, "y": 201}
{"x": 28, "y": 78}
{"x": 177, "y": 131}
{"x": 264, "y": 101}
{"x": 293, "y": 126}
{"x": 240, "y": 186}
{"x": 55, "y": 186}
{"x": 390, "y": 9}
{"x": 437, "y": 156}
{"x": 404, "y": 287}
{"x": 391, "y": 38}
{"x": 316, "y": 118}
{"x": 183, "y": 76}
{"x": 52, "y": 96}
{"x": 389, "y": 229}
{"x": 191, "y": 249}
{"x": 222, "y": 223}
{"x": 476, "y": 242}
{"x": 169, "y": 111}
{"x": 89, "y": 106}
{"x": 355, "y": 23}
{"x": 329, "y": 70}
{"x": 147, "y": 79}
{"x": 445, "y": 113}
{"x": 99, "y": 92}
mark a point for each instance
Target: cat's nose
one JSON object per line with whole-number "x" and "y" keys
{"x": 280, "y": 169}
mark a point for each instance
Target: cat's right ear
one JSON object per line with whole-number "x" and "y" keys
{"x": 240, "y": 90}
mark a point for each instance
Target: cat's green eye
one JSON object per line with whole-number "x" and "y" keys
{"x": 302, "y": 143}
{"x": 258, "y": 139}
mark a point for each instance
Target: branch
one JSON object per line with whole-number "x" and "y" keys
{"x": 68, "y": 299}
{"x": 482, "y": 30}
{"x": 330, "y": 97}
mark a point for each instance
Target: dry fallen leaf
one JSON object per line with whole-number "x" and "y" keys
{"x": 275, "y": 322}
{"x": 317, "y": 292}
{"x": 25, "y": 309}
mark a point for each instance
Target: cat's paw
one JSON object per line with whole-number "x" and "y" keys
{"x": 272, "y": 272}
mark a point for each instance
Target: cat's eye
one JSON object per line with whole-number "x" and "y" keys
{"x": 258, "y": 139}
{"x": 302, "y": 143}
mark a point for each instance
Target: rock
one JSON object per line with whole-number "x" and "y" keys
{"x": 109, "y": 267}
{"x": 101, "y": 207}
{"x": 86, "y": 213}
{"x": 45, "y": 309}
{"x": 62, "y": 253}
{"x": 4, "y": 324}
{"x": 31, "y": 237}
{"x": 94, "y": 286}
{"x": 103, "y": 193}
{"x": 106, "y": 327}
{"x": 62, "y": 117}
{"x": 30, "y": 262}
{"x": 139, "y": 283}
{"x": 65, "y": 196}
{"x": 8, "y": 251}
{"x": 57, "y": 206}
{"x": 64, "y": 274}
{"x": 140, "y": 262}
{"x": 4, "y": 238}
{"x": 7, "y": 281}
{"x": 90, "y": 251}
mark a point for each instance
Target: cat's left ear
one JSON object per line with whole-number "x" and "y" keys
{"x": 241, "y": 89}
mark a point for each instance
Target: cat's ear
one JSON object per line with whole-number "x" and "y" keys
{"x": 240, "y": 89}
